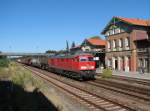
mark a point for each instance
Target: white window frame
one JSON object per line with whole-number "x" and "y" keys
{"x": 117, "y": 30}
{"x": 109, "y": 62}
{"x": 126, "y": 42}
{"x": 108, "y": 45}
{"x": 120, "y": 43}
{"x": 114, "y": 43}
{"x": 107, "y": 33}
{"x": 111, "y": 32}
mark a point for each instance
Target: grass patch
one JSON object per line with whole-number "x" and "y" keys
{"x": 4, "y": 62}
{"x": 23, "y": 77}
{"x": 107, "y": 73}
{"x": 20, "y": 76}
{"x": 22, "y": 91}
{"x": 4, "y": 73}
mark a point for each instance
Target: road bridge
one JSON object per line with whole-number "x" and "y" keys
{"x": 23, "y": 54}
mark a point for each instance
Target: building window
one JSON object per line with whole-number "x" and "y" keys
{"x": 143, "y": 62}
{"x": 127, "y": 63}
{"x": 121, "y": 63}
{"x": 122, "y": 30}
{"x": 108, "y": 44}
{"x": 109, "y": 63}
{"x": 120, "y": 43}
{"x": 140, "y": 63}
{"x": 114, "y": 44}
{"x": 111, "y": 32}
{"x": 117, "y": 30}
{"x": 127, "y": 42}
{"x": 146, "y": 63}
{"x": 107, "y": 33}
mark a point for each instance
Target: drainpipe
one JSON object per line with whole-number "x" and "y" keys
{"x": 149, "y": 59}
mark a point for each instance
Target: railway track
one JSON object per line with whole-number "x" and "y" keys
{"x": 140, "y": 93}
{"x": 132, "y": 80}
{"x": 92, "y": 101}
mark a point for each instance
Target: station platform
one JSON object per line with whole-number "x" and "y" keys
{"x": 137, "y": 75}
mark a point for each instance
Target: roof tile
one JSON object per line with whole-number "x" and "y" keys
{"x": 96, "y": 41}
{"x": 135, "y": 21}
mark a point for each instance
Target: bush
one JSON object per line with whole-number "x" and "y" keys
{"x": 107, "y": 73}
{"x": 4, "y": 62}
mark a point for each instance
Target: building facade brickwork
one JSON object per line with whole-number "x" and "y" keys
{"x": 125, "y": 38}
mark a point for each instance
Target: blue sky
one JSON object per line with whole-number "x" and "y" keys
{"x": 39, "y": 25}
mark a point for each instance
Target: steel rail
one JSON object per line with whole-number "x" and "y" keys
{"x": 94, "y": 95}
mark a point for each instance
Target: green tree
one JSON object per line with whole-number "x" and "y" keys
{"x": 51, "y": 51}
{"x": 67, "y": 47}
{"x": 95, "y": 37}
{"x": 73, "y": 44}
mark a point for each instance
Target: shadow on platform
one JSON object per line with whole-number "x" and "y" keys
{"x": 14, "y": 98}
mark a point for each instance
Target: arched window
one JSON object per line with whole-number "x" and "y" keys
{"x": 117, "y": 30}
{"x": 120, "y": 43}
{"x": 107, "y": 33}
{"x": 109, "y": 62}
{"x": 108, "y": 44}
{"x": 114, "y": 44}
{"x": 111, "y": 32}
{"x": 127, "y": 42}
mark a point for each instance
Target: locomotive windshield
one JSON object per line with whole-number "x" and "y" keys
{"x": 90, "y": 58}
{"x": 85, "y": 59}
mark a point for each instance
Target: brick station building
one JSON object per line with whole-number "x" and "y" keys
{"x": 128, "y": 44}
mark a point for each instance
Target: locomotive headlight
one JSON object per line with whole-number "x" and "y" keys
{"x": 92, "y": 67}
{"x": 83, "y": 67}
{"x": 87, "y": 67}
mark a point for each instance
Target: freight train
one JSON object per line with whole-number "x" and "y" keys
{"x": 80, "y": 66}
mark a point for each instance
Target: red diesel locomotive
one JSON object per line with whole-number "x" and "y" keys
{"x": 81, "y": 66}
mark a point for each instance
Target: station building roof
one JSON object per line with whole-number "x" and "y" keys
{"x": 135, "y": 21}
{"x": 130, "y": 21}
{"x": 96, "y": 41}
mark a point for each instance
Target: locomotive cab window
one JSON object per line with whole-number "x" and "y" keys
{"x": 83, "y": 59}
{"x": 90, "y": 58}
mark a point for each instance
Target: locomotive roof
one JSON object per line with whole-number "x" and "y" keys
{"x": 69, "y": 55}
